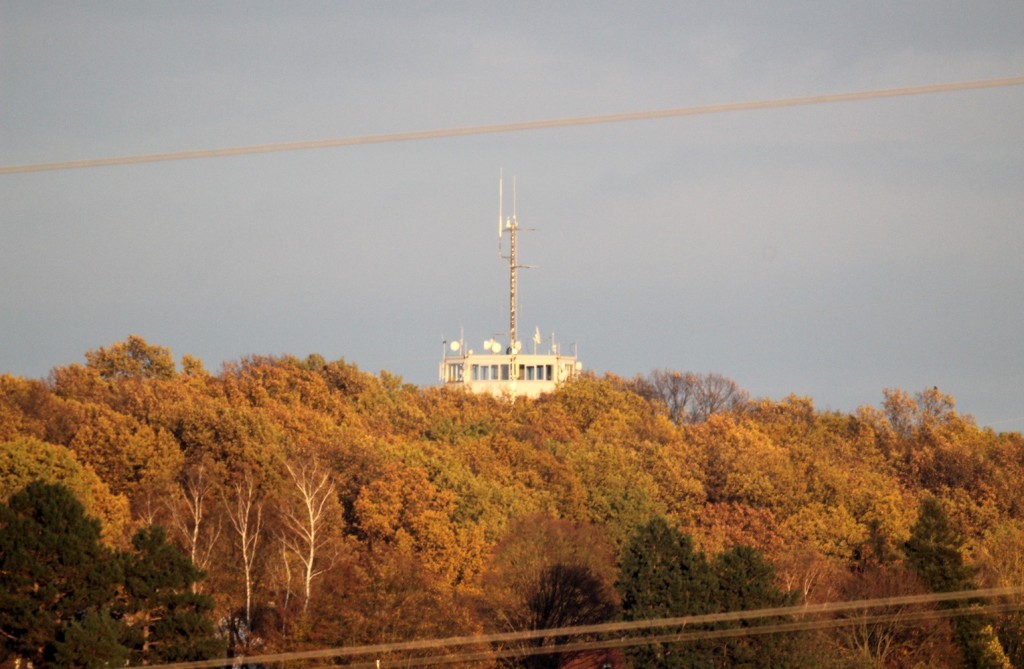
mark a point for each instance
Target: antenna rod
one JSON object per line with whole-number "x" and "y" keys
{"x": 515, "y": 200}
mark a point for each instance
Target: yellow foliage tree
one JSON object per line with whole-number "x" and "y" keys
{"x": 131, "y": 457}
{"x": 403, "y": 509}
{"x": 26, "y": 459}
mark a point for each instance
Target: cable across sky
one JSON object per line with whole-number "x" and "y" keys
{"x": 544, "y": 124}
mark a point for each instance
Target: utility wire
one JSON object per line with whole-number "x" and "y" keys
{"x": 1008, "y": 420}
{"x": 514, "y": 127}
{"x": 680, "y": 637}
{"x": 632, "y": 626}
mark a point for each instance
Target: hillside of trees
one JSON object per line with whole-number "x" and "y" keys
{"x": 285, "y": 504}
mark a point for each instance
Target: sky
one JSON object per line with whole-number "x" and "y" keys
{"x": 828, "y": 251}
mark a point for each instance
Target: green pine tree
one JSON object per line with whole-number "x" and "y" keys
{"x": 746, "y": 581}
{"x": 934, "y": 552}
{"x": 52, "y": 568}
{"x": 91, "y": 642}
{"x": 663, "y": 576}
{"x": 167, "y": 621}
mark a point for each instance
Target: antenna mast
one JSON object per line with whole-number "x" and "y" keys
{"x": 513, "y": 226}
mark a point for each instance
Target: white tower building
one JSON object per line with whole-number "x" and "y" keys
{"x": 504, "y": 368}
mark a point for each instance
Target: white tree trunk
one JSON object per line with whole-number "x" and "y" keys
{"x": 245, "y": 513}
{"x": 305, "y": 520}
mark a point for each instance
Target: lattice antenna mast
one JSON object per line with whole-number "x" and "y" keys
{"x": 511, "y": 225}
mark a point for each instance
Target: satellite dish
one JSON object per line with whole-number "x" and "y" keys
{"x": 495, "y": 347}
{"x": 487, "y": 344}
{"x": 455, "y": 346}
{"x": 579, "y": 365}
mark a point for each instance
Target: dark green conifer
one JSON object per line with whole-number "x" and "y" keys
{"x": 92, "y": 642}
{"x": 167, "y": 621}
{"x": 663, "y": 576}
{"x": 52, "y": 570}
{"x": 934, "y": 552}
{"x": 746, "y": 582}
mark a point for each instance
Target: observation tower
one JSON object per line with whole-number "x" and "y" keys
{"x": 504, "y": 368}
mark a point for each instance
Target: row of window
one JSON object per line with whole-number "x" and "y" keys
{"x": 501, "y": 372}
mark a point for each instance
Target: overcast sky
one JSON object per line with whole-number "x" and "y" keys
{"x": 829, "y": 251}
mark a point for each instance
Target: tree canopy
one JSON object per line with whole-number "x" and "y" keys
{"x": 328, "y": 506}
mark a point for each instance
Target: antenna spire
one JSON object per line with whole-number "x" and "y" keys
{"x": 511, "y": 224}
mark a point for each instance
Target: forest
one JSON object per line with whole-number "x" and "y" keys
{"x": 152, "y": 511}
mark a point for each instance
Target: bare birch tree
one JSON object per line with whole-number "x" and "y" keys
{"x": 193, "y": 517}
{"x": 306, "y": 518}
{"x": 245, "y": 514}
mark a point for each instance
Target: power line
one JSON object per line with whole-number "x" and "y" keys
{"x": 465, "y": 131}
{"x": 1008, "y": 420}
{"x": 684, "y": 637}
{"x": 637, "y": 625}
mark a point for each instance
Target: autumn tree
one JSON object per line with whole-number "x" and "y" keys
{"x": 25, "y": 460}
{"x": 402, "y": 509}
{"x": 132, "y": 358}
{"x": 939, "y": 450}
{"x": 27, "y": 409}
{"x": 130, "y": 456}
{"x": 1003, "y": 566}
{"x": 902, "y": 636}
{"x": 620, "y": 493}
{"x": 384, "y": 596}
{"x": 545, "y": 573}
{"x": 743, "y": 464}
{"x": 535, "y": 542}
{"x": 220, "y": 426}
